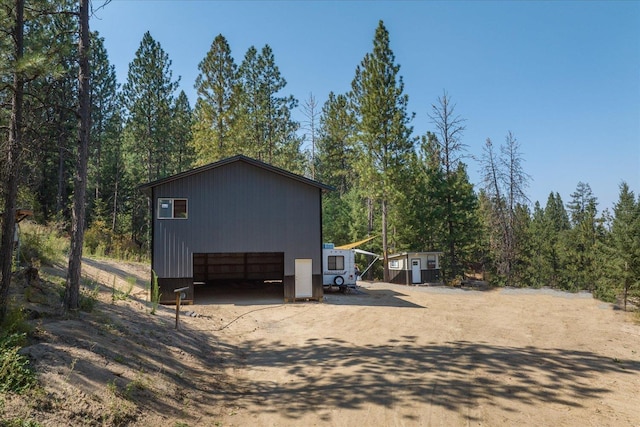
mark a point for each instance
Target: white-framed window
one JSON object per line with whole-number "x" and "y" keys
{"x": 394, "y": 264}
{"x": 431, "y": 262}
{"x": 336, "y": 262}
{"x": 172, "y": 208}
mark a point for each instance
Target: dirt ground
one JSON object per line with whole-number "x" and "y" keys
{"x": 384, "y": 355}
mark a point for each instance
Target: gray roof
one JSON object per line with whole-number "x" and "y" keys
{"x": 238, "y": 158}
{"x": 404, "y": 254}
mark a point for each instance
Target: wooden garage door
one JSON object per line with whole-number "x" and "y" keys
{"x": 209, "y": 267}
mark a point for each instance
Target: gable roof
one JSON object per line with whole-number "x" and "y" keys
{"x": 238, "y": 158}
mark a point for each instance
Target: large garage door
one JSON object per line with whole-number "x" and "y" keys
{"x": 253, "y": 266}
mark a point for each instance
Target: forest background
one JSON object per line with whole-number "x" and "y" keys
{"x": 412, "y": 190}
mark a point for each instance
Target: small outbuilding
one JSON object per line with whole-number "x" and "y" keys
{"x": 237, "y": 219}
{"x": 413, "y": 268}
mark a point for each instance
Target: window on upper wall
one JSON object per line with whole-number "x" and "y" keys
{"x": 394, "y": 264}
{"x": 171, "y": 208}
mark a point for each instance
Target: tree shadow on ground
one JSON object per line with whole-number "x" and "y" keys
{"x": 325, "y": 374}
{"x": 124, "y": 350}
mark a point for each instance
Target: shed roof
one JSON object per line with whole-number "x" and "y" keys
{"x": 404, "y": 254}
{"x": 238, "y": 158}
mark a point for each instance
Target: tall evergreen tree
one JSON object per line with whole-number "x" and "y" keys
{"x": 505, "y": 182}
{"x": 148, "y": 96}
{"x": 556, "y": 226}
{"x": 50, "y": 117}
{"x": 72, "y": 290}
{"x": 450, "y": 151}
{"x": 29, "y": 61}
{"x": 116, "y": 186}
{"x": 538, "y": 240}
{"x": 384, "y": 141}
{"x": 334, "y": 165}
{"x": 428, "y": 207}
{"x": 582, "y": 238}
{"x": 264, "y": 122}
{"x": 181, "y": 156}
{"x": 105, "y": 126}
{"x": 13, "y": 152}
{"x": 335, "y": 159}
{"x": 216, "y": 86}
{"x": 622, "y": 263}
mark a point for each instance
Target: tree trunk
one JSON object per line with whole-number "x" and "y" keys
{"x": 72, "y": 292}
{"x": 453, "y": 256}
{"x": 385, "y": 247}
{"x": 61, "y": 193}
{"x": 12, "y": 165}
{"x": 114, "y": 214}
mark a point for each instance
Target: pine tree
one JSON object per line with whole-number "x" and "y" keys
{"x": 51, "y": 123}
{"x": 334, "y": 165}
{"x": 181, "y": 156}
{"x": 556, "y": 226}
{"x": 335, "y": 157}
{"x": 458, "y": 227}
{"x": 416, "y": 224}
{"x": 72, "y": 289}
{"x": 13, "y": 151}
{"x": 115, "y": 186}
{"x": 622, "y": 263}
{"x": 537, "y": 240}
{"x": 148, "y": 96}
{"x": 582, "y": 238}
{"x": 264, "y": 123}
{"x": 523, "y": 251}
{"x": 105, "y": 126}
{"x": 311, "y": 114}
{"x": 505, "y": 182}
{"x": 216, "y": 86}
{"x": 429, "y": 208}
{"x": 384, "y": 140}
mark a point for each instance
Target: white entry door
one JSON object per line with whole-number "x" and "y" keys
{"x": 304, "y": 278}
{"x": 415, "y": 271}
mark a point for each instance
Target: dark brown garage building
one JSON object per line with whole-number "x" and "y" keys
{"x": 237, "y": 219}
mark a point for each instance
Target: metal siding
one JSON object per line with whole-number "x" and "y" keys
{"x": 238, "y": 208}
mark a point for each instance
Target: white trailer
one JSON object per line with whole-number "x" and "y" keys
{"x": 340, "y": 266}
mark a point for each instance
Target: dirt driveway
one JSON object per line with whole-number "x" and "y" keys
{"x": 401, "y": 356}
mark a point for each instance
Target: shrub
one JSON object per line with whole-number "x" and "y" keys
{"x": 16, "y": 374}
{"x": 117, "y": 294}
{"x": 604, "y": 293}
{"x": 98, "y": 238}
{"x": 43, "y": 243}
{"x": 89, "y": 297}
{"x": 19, "y": 422}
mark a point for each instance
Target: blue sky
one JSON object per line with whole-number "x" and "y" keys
{"x": 563, "y": 77}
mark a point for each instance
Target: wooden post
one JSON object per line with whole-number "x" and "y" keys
{"x": 407, "y": 270}
{"x": 178, "y": 293}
